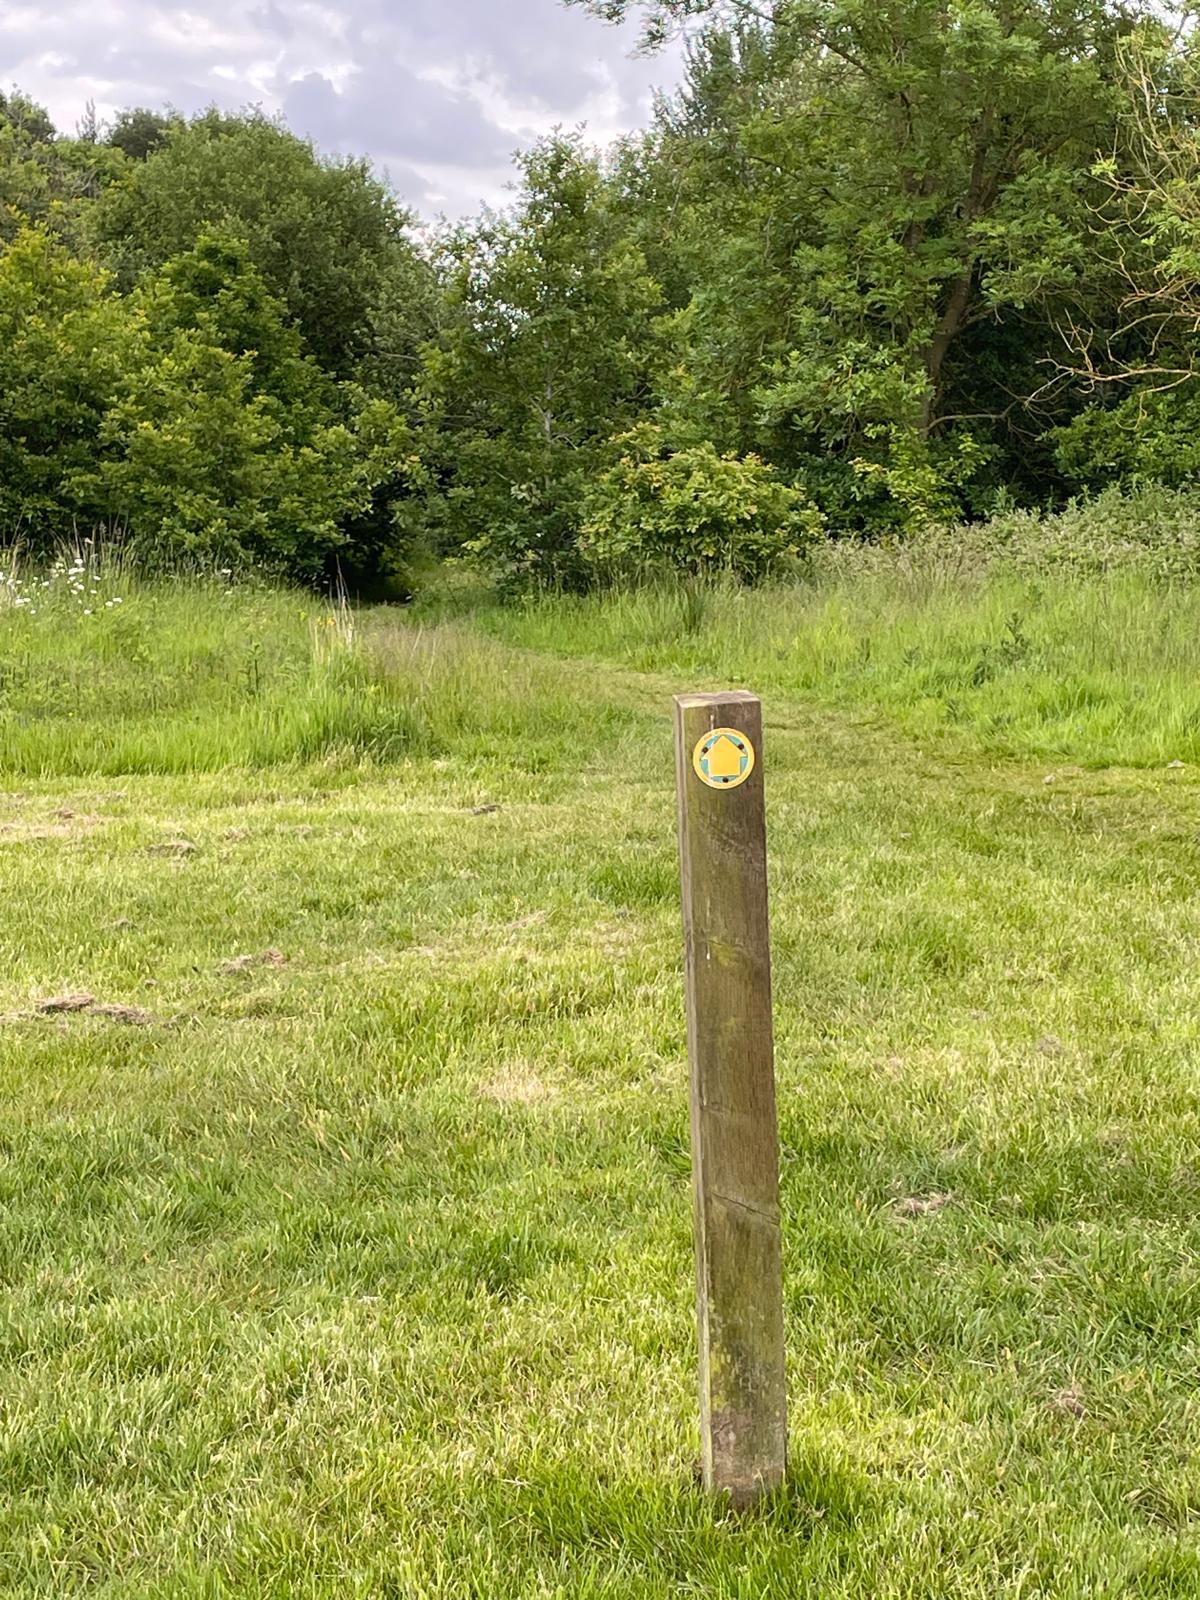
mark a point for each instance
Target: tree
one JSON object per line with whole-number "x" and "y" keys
{"x": 547, "y": 352}
{"x": 324, "y": 235}
{"x": 229, "y": 440}
{"x": 661, "y": 18}
{"x": 187, "y": 414}
{"x": 26, "y": 118}
{"x": 215, "y": 291}
{"x": 875, "y": 189}
{"x": 65, "y": 347}
{"x": 139, "y": 132}
{"x": 43, "y": 178}
{"x": 1137, "y": 369}
{"x": 197, "y": 461}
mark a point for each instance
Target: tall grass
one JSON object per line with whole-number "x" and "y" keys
{"x": 106, "y": 671}
{"x": 1073, "y": 639}
{"x": 101, "y": 671}
{"x": 985, "y": 639}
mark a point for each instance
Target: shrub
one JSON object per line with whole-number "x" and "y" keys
{"x": 1149, "y": 437}
{"x": 694, "y": 510}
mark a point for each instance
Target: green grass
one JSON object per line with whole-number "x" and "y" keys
{"x": 1092, "y": 670}
{"x": 136, "y": 677}
{"x": 362, "y": 1267}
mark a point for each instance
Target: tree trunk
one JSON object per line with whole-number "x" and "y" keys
{"x": 980, "y": 195}
{"x": 949, "y": 324}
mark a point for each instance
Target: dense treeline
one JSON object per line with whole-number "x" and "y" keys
{"x": 878, "y": 263}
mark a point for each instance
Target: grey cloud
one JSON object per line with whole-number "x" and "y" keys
{"x": 388, "y": 107}
{"x": 544, "y": 51}
{"x": 275, "y": 20}
{"x": 417, "y": 193}
{"x": 440, "y": 92}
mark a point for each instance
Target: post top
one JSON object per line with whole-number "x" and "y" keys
{"x": 727, "y": 697}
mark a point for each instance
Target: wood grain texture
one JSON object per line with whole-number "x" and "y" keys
{"x": 735, "y": 1141}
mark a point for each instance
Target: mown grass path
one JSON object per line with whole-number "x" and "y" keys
{"x": 354, "y": 1258}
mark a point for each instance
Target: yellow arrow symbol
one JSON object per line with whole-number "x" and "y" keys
{"x": 724, "y": 759}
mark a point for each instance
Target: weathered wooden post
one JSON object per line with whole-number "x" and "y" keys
{"x": 735, "y": 1139}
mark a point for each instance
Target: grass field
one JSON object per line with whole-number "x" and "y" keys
{"x": 345, "y": 1229}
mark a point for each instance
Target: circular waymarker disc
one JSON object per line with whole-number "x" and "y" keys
{"x": 723, "y": 759}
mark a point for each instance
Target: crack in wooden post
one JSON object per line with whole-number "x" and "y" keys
{"x": 735, "y": 1140}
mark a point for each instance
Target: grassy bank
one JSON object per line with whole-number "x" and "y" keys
{"x": 345, "y": 1229}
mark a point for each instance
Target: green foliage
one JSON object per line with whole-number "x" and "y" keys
{"x": 324, "y": 236}
{"x": 926, "y": 480}
{"x": 139, "y": 132}
{"x": 234, "y": 441}
{"x": 694, "y": 510}
{"x": 215, "y": 291}
{"x": 198, "y": 398}
{"x": 29, "y": 121}
{"x": 547, "y": 352}
{"x": 1149, "y": 532}
{"x": 874, "y": 208}
{"x": 1136, "y": 370}
{"x": 1145, "y": 438}
{"x": 877, "y": 265}
{"x": 45, "y": 179}
{"x": 885, "y": 212}
{"x": 66, "y": 347}
{"x": 186, "y": 413}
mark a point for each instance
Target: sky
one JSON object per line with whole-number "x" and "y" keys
{"x": 439, "y": 93}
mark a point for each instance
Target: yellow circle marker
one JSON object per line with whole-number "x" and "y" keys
{"x": 723, "y": 759}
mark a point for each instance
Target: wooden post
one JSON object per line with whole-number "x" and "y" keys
{"x": 735, "y": 1138}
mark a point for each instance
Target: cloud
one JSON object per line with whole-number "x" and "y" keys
{"x": 438, "y": 92}
{"x": 388, "y": 106}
